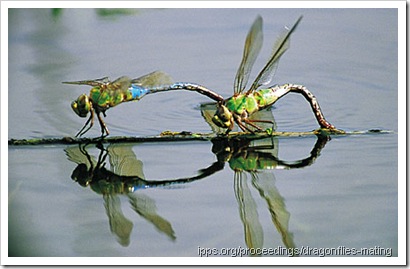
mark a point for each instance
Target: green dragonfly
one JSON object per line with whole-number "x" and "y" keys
{"x": 236, "y": 109}
{"x": 106, "y": 94}
{"x": 243, "y": 103}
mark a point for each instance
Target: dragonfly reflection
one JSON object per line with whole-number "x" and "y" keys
{"x": 125, "y": 177}
{"x": 256, "y": 159}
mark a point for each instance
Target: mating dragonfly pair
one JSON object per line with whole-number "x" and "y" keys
{"x": 236, "y": 109}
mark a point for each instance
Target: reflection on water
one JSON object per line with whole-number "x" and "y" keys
{"x": 125, "y": 177}
{"x": 350, "y": 197}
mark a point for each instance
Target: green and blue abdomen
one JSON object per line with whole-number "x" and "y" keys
{"x": 251, "y": 103}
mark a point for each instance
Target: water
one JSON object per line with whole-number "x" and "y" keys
{"x": 346, "y": 196}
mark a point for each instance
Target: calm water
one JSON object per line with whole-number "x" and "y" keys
{"x": 343, "y": 193}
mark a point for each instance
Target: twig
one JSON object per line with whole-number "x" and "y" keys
{"x": 168, "y": 136}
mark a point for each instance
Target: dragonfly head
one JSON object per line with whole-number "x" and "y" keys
{"x": 223, "y": 117}
{"x": 82, "y": 105}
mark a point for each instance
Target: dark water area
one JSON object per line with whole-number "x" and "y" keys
{"x": 306, "y": 192}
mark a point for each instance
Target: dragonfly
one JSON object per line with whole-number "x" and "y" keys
{"x": 242, "y": 104}
{"x": 237, "y": 109}
{"x": 106, "y": 94}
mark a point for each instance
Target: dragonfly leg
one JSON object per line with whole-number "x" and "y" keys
{"x": 245, "y": 128}
{"x": 103, "y": 126}
{"x": 91, "y": 121}
{"x": 251, "y": 123}
{"x": 263, "y": 121}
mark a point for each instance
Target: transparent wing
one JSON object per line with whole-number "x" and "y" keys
{"x": 156, "y": 78}
{"x": 264, "y": 182}
{"x": 248, "y": 212}
{"x": 124, "y": 162}
{"x": 92, "y": 82}
{"x": 253, "y": 45}
{"x": 153, "y": 79}
{"x": 121, "y": 83}
{"x": 281, "y": 45}
{"x": 266, "y": 115}
{"x": 146, "y": 208}
{"x": 208, "y": 111}
{"x": 119, "y": 224}
{"x": 267, "y": 145}
{"x": 79, "y": 156}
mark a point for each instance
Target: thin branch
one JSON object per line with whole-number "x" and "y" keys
{"x": 183, "y": 136}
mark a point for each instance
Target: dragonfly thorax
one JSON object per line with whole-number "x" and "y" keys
{"x": 82, "y": 105}
{"x": 243, "y": 104}
{"x": 240, "y": 107}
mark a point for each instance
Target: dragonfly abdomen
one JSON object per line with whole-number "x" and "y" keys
{"x": 187, "y": 86}
{"x": 265, "y": 97}
{"x": 137, "y": 92}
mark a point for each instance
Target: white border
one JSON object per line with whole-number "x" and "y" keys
{"x": 203, "y": 4}
{"x": 402, "y": 132}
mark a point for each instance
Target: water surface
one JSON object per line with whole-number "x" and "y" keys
{"x": 344, "y": 196}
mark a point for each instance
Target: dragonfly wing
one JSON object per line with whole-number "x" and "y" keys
{"x": 121, "y": 83}
{"x": 264, "y": 182}
{"x": 145, "y": 207}
{"x": 264, "y": 115}
{"x": 92, "y": 82}
{"x": 208, "y": 111}
{"x": 156, "y": 78}
{"x": 248, "y": 212}
{"x": 270, "y": 146}
{"x": 124, "y": 162}
{"x": 253, "y": 45}
{"x": 119, "y": 224}
{"x": 281, "y": 45}
{"x": 79, "y": 156}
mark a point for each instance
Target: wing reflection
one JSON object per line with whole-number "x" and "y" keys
{"x": 125, "y": 176}
{"x": 257, "y": 158}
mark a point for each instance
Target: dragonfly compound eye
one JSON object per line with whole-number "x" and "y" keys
{"x": 81, "y": 106}
{"x": 223, "y": 117}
